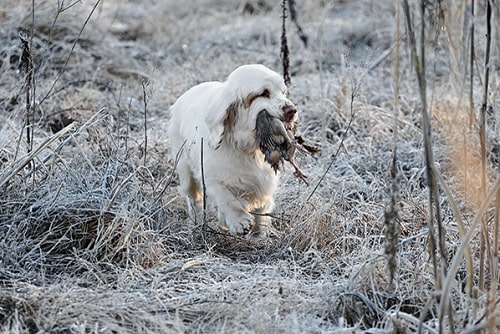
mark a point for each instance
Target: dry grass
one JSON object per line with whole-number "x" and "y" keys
{"x": 96, "y": 239}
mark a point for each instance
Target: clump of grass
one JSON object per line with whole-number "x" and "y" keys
{"x": 76, "y": 211}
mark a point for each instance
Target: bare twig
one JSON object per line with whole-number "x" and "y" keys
{"x": 354, "y": 93}
{"x": 293, "y": 17}
{"x": 62, "y": 8}
{"x": 63, "y": 68}
{"x": 171, "y": 176}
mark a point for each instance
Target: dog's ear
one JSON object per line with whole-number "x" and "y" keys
{"x": 221, "y": 122}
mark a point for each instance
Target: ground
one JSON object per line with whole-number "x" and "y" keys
{"x": 97, "y": 239}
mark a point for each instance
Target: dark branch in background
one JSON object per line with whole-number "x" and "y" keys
{"x": 32, "y": 77}
{"x": 145, "y": 84}
{"x": 293, "y": 17}
{"x": 26, "y": 67}
{"x": 285, "y": 52}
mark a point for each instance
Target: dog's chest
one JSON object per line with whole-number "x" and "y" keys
{"x": 258, "y": 179}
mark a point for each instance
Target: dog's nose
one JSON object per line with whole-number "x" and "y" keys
{"x": 289, "y": 112}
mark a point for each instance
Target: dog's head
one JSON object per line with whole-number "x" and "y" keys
{"x": 248, "y": 90}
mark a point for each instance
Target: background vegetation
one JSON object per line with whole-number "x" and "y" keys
{"x": 398, "y": 231}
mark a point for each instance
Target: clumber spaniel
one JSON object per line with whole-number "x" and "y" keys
{"x": 221, "y": 116}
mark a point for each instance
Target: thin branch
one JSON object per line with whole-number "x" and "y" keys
{"x": 354, "y": 93}
{"x": 293, "y": 16}
{"x": 63, "y": 68}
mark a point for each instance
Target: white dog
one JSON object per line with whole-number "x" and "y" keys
{"x": 221, "y": 116}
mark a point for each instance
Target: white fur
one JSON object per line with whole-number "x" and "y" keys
{"x": 223, "y": 115}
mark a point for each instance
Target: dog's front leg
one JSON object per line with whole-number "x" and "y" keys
{"x": 232, "y": 211}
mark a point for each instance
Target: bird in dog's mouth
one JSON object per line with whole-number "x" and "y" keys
{"x": 278, "y": 140}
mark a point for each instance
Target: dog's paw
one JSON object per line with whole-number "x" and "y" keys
{"x": 239, "y": 224}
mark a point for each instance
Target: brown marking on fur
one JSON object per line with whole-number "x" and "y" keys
{"x": 249, "y": 100}
{"x": 195, "y": 190}
{"x": 230, "y": 118}
{"x": 252, "y": 96}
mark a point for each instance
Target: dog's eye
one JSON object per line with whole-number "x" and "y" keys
{"x": 266, "y": 93}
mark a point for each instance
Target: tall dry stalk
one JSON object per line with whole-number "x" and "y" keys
{"x": 285, "y": 51}
{"x": 494, "y": 266}
{"x": 486, "y": 249}
{"x": 418, "y": 63}
{"x": 482, "y": 140}
{"x": 391, "y": 215}
{"x": 471, "y": 67}
{"x": 434, "y": 211}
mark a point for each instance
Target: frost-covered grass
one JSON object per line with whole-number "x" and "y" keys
{"x": 94, "y": 237}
